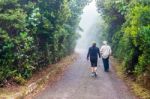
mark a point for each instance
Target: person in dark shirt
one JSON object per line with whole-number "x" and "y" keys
{"x": 93, "y": 53}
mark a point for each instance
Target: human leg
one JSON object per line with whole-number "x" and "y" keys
{"x": 94, "y": 67}
{"x": 105, "y": 64}
{"x": 95, "y": 71}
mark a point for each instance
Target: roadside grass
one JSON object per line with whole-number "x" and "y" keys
{"x": 53, "y": 74}
{"x": 39, "y": 80}
{"x": 136, "y": 88}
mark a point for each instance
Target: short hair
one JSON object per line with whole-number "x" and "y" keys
{"x": 93, "y": 43}
{"x": 104, "y": 42}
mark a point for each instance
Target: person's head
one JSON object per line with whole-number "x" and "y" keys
{"x": 93, "y": 43}
{"x": 105, "y": 42}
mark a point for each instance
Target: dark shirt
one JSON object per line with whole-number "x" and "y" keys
{"x": 93, "y": 52}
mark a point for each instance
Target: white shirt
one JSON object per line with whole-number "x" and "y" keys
{"x": 105, "y": 51}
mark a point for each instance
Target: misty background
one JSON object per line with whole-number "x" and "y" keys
{"x": 90, "y": 24}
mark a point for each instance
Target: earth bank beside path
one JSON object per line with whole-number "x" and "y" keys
{"x": 39, "y": 80}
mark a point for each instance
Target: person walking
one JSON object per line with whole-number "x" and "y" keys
{"x": 93, "y": 53}
{"x": 105, "y": 51}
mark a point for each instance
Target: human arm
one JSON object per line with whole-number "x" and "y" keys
{"x": 99, "y": 53}
{"x": 88, "y": 54}
{"x": 110, "y": 51}
{"x": 101, "y": 50}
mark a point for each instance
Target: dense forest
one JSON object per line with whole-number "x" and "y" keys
{"x": 127, "y": 28}
{"x": 35, "y": 33}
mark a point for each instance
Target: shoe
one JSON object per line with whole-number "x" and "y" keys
{"x": 92, "y": 74}
{"x": 106, "y": 70}
{"x": 95, "y": 74}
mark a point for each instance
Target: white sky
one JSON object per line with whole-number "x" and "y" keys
{"x": 88, "y": 23}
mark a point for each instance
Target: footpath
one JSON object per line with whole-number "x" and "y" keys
{"x": 40, "y": 79}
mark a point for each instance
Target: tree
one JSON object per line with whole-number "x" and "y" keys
{"x": 128, "y": 31}
{"x": 35, "y": 33}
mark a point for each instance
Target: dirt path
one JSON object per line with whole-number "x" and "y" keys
{"x": 77, "y": 84}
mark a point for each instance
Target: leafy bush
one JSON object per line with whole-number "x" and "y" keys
{"x": 129, "y": 32}
{"x": 34, "y": 34}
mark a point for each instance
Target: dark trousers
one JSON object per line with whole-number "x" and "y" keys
{"x": 106, "y": 63}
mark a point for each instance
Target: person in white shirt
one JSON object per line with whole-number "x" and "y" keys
{"x": 105, "y": 51}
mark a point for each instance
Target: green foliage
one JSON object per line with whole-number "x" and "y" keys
{"x": 20, "y": 80}
{"x": 128, "y": 32}
{"x": 34, "y": 34}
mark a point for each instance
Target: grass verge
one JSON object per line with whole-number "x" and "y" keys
{"x": 47, "y": 76}
{"x": 135, "y": 87}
